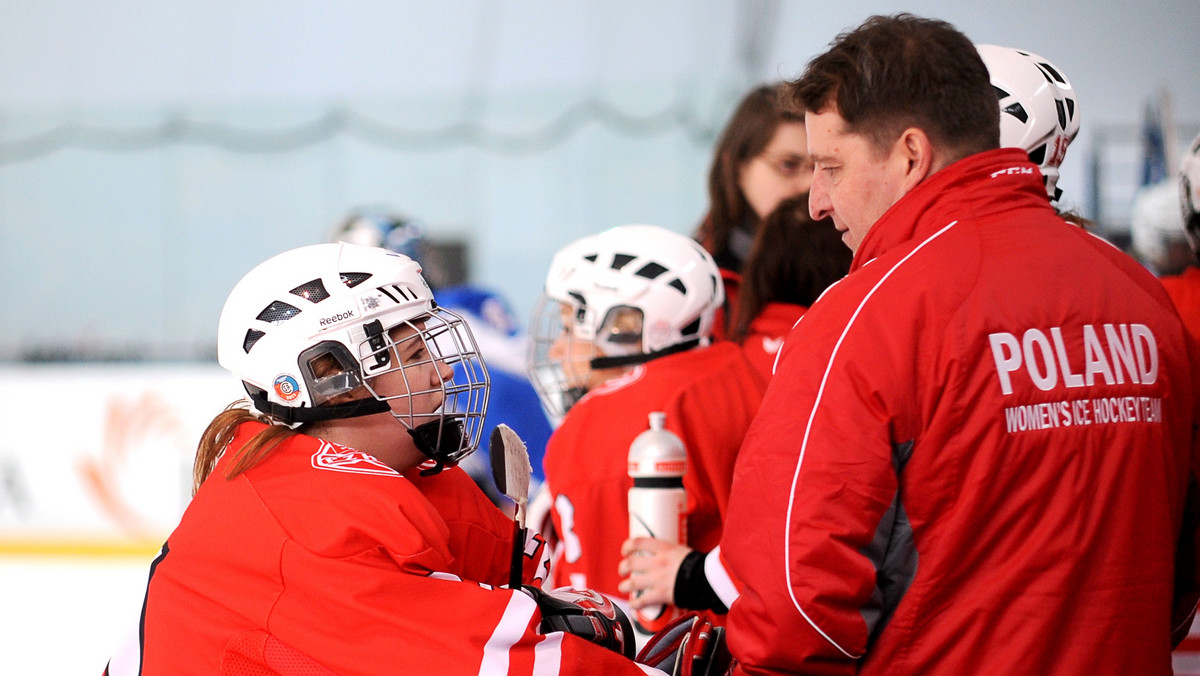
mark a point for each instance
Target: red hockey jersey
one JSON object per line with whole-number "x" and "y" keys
{"x": 767, "y": 332}
{"x": 973, "y": 455}
{"x": 1184, "y": 290}
{"x": 322, "y": 558}
{"x": 709, "y": 396}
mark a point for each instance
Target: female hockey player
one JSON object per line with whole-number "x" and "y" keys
{"x": 623, "y": 330}
{"x": 792, "y": 261}
{"x": 331, "y": 531}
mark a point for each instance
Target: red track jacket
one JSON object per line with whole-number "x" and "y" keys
{"x": 972, "y": 458}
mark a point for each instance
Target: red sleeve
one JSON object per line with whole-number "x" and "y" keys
{"x": 480, "y": 534}
{"x": 711, "y": 418}
{"x": 809, "y": 458}
{"x": 466, "y": 629}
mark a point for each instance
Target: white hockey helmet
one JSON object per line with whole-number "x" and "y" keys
{"x": 1039, "y": 112}
{"x": 1189, "y": 193}
{"x": 313, "y": 324}
{"x": 1155, "y": 226}
{"x": 634, "y": 292}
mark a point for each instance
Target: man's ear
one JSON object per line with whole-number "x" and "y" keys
{"x": 918, "y": 153}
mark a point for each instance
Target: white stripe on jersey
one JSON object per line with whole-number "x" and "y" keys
{"x": 509, "y": 630}
{"x": 547, "y": 655}
{"x": 787, "y": 535}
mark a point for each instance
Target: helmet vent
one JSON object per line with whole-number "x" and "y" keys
{"x": 691, "y": 329}
{"x": 1038, "y": 154}
{"x": 277, "y": 312}
{"x": 1062, "y": 114}
{"x": 1018, "y": 111}
{"x": 621, "y": 260}
{"x": 252, "y": 336}
{"x": 1000, "y": 93}
{"x": 678, "y": 284}
{"x": 651, "y": 270}
{"x": 312, "y": 290}
{"x": 404, "y": 292}
{"x": 353, "y": 279}
{"x": 590, "y": 257}
{"x": 1057, "y": 76}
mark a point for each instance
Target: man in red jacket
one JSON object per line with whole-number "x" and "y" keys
{"x": 975, "y": 452}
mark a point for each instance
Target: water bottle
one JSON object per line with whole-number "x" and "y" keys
{"x": 657, "y": 500}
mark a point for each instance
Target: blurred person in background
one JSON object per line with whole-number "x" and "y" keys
{"x": 793, "y": 260}
{"x": 1184, "y": 286}
{"x": 1156, "y": 228}
{"x": 761, "y": 158}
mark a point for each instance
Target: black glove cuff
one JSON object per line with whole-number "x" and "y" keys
{"x": 692, "y": 590}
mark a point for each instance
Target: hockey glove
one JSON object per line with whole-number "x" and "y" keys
{"x": 689, "y": 646}
{"x": 587, "y": 614}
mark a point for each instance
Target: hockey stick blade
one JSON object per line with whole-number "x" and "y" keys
{"x": 511, "y": 472}
{"x": 510, "y": 467}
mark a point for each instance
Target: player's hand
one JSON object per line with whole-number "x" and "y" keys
{"x": 648, "y": 570}
{"x": 587, "y": 614}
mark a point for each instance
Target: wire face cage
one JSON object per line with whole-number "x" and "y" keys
{"x": 558, "y": 362}
{"x": 441, "y": 392}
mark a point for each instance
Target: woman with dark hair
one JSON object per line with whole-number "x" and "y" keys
{"x": 791, "y": 263}
{"x": 761, "y": 159}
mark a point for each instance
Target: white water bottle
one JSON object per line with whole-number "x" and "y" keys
{"x": 657, "y": 500}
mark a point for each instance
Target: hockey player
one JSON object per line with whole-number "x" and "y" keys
{"x": 1184, "y": 288}
{"x": 330, "y": 531}
{"x": 949, "y": 472}
{"x": 1039, "y": 111}
{"x": 792, "y": 261}
{"x": 623, "y": 330}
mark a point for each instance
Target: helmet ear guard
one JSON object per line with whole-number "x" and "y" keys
{"x": 339, "y": 371}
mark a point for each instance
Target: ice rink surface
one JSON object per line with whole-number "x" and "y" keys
{"x": 65, "y": 615}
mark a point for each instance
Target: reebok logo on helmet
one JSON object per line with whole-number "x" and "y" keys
{"x": 341, "y": 316}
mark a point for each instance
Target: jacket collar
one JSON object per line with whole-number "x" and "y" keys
{"x": 976, "y": 185}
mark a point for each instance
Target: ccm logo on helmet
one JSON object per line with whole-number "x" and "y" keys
{"x": 1013, "y": 170}
{"x": 341, "y": 316}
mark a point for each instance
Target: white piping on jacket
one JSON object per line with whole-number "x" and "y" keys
{"x": 787, "y": 535}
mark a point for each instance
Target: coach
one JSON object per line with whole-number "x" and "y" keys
{"x": 887, "y": 516}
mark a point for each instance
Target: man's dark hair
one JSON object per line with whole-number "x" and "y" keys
{"x": 901, "y": 71}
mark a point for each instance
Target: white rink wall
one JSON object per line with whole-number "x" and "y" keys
{"x": 95, "y": 470}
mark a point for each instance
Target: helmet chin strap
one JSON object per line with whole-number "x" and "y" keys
{"x": 440, "y": 441}
{"x": 293, "y": 415}
{"x": 641, "y": 357}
